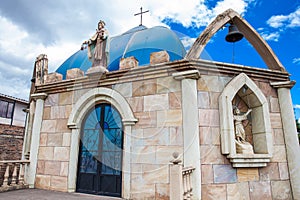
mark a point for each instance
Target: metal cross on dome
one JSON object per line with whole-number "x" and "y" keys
{"x": 141, "y": 13}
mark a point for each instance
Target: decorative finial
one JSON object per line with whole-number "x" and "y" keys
{"x": 141, "y": 13}
{"x": 176, "y": 159}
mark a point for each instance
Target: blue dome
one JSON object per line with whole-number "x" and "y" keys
{"x": 139, "y": 42}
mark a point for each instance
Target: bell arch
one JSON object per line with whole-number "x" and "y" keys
{"x": 260, "y": 45}
{"x": 80, "y": 110}
{"x": 261, "y": 125}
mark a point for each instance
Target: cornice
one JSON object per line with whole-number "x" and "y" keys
{"x": 162, "y": 70}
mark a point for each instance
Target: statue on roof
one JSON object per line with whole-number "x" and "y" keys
{"x": 98, "y": 46}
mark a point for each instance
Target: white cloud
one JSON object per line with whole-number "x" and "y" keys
{"x": 17, "y": 46}
{"x": 295, "y": 19}
{"x": 277, "y": 21}
{"x": 193, "y": 12}
{"x": 271, "y": 36}
{"x": 296, "y": 61}
{"x": 297, "y": 106}
{"x": 239, "y": 6}
{"x": 291, "y": 20}
{"x": 57, "y": 29}
{"x": 187, "y": 42}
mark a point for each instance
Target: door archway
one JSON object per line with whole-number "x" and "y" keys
{"x": 99, "y": 168}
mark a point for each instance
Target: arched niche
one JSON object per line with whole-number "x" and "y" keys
{"x": 249, "y": 32}
{"x": 80, "y": 110}
{"x": 243, "y": 87}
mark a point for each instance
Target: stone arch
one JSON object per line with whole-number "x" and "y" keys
{"x": 96, "y": 95}
{"x": 261, "y": 125}
{"x": 79, "y": 111}
{"x": 249, "y": 32}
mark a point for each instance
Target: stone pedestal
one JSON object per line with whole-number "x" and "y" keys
{"x": 98, "y": 70}
{"x": 74, "y": 73}
{"x": 53, "y": 77}
{"x": 176, "y": 189}
{"x": 159, "y": 57}
{"x": 128, "y": 63}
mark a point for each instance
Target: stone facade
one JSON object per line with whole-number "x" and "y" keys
{"x": 154, "y": 137}
{"x": 182, "y": 107}
{"x": 156, "y": 102}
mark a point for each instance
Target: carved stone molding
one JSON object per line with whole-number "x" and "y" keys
{"x": 190, "y": 74}
{"x": 284, "y": 84}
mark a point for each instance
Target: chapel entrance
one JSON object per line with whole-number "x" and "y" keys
{"x": 100, "y": 155}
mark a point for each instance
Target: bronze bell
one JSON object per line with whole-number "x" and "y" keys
{"x": 234, "y": 35}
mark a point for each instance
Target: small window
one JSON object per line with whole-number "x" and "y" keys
{"x": 6, "y": 109}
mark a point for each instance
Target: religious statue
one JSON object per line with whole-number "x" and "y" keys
{"x": 98, "y": 42}
{"x": 242, "y": 146}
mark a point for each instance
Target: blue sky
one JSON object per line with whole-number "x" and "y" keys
{"x": 274, "y": 21}
{"x": 57, "y": 28}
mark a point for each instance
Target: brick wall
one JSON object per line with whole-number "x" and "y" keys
{"x": 11, "y": 142}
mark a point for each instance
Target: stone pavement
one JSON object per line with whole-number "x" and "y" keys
{"x": 37, "y": 194}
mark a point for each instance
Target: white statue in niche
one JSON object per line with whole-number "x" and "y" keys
{"x": 242, "y": 146}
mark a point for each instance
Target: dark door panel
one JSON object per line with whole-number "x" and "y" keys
{"x": 100, "y": 153}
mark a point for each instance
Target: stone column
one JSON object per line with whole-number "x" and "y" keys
{"x": 290, "y": 133}
{"x": 73, "y": 162}
{"x": 25, "y": 146}
{"x": 35, "y": 137}
{"x": 126, "y": 169}
{"x": 190, "y": 126}
{"x": 28, "y": 131}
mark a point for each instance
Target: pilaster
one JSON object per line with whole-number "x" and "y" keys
{"x": 35, "y": 137}
{"x": 290, "y": 133}
{"x": 190, "y": 126}
{"x": 126, "y": 169}
{"x": 73, "y": 162}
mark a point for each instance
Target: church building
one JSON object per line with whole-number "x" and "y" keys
{"x": 137, "y": 116}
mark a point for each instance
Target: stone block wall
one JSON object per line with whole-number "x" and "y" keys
{"x": 219, "y": 179}
{"x": 156, "y": 104}
{"x": 53, "y": 155}
{"x": 11, "y": 142}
